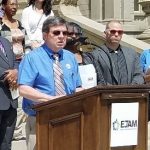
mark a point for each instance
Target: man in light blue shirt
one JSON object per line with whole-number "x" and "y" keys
{"x": 36, "y": 71}
{"x": 145, "y": 60}
{"x": 145, "y": 63}
{"x": 36, "y": 77}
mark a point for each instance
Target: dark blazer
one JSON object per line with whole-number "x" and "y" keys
{"x": 104, "y": 66}
{"x": 5, "y": 64}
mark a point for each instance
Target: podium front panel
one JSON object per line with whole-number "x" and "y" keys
{"x": 83, "y": 121}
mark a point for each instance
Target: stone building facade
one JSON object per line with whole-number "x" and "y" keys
{"x": 92, "y": 15}
{"x": 134, "y": 14}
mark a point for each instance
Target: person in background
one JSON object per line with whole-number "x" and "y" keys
{"x": 145, "y": 63}
{"x": 116, "y": 64}
{"x": 37, "y": 80}
{"x": 74, "y": 30}
{"x": 12, "y": 30}
{"x": 40, "y": 10}
{"x": 8, "y": 105}
{"x": 74, "y": 42}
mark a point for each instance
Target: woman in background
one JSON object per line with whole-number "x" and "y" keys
{"x": 145, "y": 63}
{"x": 74, "y": 43}
{"x": 40, "y": 10}
{"x": 12, "y": 30}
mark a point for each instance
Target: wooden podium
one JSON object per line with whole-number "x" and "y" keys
{"x": 82, "y": 121}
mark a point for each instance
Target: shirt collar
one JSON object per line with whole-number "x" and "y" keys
{"x": 51, "y": 52}
{"x": 112, "y": 51}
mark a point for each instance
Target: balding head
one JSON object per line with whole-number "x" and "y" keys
{"x": 110, "y": 23}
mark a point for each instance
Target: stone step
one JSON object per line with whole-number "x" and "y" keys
{"x": 22, "y": 5}
{"x": 18, "y": 14}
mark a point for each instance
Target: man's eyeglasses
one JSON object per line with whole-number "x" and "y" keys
{"x": 73, "y": 33}
{"x": 56, "y": 33}
{"x": 113, "y": 32}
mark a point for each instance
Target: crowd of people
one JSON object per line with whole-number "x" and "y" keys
{"x": 40, "y": 56}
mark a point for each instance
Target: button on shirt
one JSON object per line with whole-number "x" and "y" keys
{"x": 117, "y": 57}
{"x": 36, "y": 70}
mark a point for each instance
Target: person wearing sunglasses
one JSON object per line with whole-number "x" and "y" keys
{"x": 75, "y": 40}
{"x": 36, "y": 72}
{"x": 116, "y": 64}
{"x": 74, "y": 30}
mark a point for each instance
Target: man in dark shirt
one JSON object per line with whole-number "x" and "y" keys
{"x": 116, "y": 64}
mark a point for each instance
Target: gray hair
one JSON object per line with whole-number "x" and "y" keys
{"x": 52, "y": 21}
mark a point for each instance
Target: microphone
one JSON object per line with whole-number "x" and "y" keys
{"x": 85, "y": 41}
{"x": 80, "y": 40}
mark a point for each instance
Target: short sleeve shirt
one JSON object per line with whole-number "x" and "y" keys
{"x": 145, "y": 60}
{"x": 36, "y": 70}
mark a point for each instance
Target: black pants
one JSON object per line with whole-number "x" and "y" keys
{"x": 7, "y": 125}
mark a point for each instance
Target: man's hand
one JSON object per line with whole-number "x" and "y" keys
{"x": 11, "y": 78}
{"x": 147, "y": 79}
{"x": 79, "y": 89}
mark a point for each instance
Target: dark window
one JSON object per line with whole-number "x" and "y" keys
{"x": 136, "y": 5}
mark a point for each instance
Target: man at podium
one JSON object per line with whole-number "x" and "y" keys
{"x": 48, "y": 72}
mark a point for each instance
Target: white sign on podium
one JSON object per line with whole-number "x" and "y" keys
{"x": 124, "y": 124}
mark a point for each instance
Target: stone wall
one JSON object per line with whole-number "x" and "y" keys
{"x": 22, "y": 4}
{"x": 79, "y": 11}
{"x": 85, "y": 7}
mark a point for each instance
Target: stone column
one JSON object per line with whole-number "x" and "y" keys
{"x": 145, "y": 6}
{"x": 127, "y": 10}
{"x": 112, "y": 9}
{"x": 119, "y": 9}
{"x": 145, "y": 36}
{"x": 96, "y": 10}
{"x": 57, "y": 5}
{"x": 22, "y": 5}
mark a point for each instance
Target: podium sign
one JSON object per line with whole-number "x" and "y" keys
{"x": 124, "y": 124}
